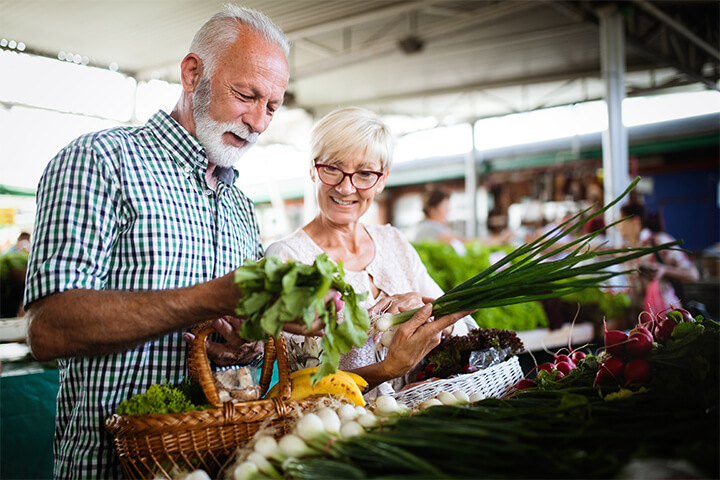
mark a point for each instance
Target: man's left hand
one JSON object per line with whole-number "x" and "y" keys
{"x": 235, "y": 351}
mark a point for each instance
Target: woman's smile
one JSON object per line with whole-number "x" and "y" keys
{"x": 342, "y": 202}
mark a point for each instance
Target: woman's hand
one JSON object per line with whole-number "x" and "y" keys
{"x": 399, "y": 303}
{"x": 414, "y": 339}
{"x": 235, "y": 351}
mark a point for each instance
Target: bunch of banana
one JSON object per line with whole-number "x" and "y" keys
{"x": 347, "y": 385}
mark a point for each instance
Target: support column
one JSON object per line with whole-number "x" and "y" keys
{"x": 615, "y": 139}
{"x": 471, "y": 230}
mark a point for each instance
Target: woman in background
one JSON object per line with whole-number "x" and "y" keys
{"x": 667, "y": 267}
{"x": 351, "y": 156}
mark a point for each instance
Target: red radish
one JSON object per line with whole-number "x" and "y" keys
{"x": 547, "y": 366}
{"x": 680, "y": 315}
{"x": 639, "y": 344}
{"x": 614, "y": 367}
{"x": 641, "y": 330}
{"x": 636, "y": 371}
{"x": 577, "y": 355}
{"x": 615, "y": 342}
{"x": 525, "y": 383}
{"x": 563, "y": 358}
{"x": 664, "y": 329}
{"x": 603, "y": 378}
{"x": 564, "y": 367}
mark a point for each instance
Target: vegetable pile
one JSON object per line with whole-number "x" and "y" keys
{"x": 165, "y": 398}
{"x": 452, "y": 355}
{"x": 566, "y": 427}
{"x": 274, "y": 293}
{"x": 538, "y": 270}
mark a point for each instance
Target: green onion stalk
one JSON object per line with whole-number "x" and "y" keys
{"x": 538, "y": 270}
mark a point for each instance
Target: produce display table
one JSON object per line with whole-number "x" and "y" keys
{"x": 28, "y": 392}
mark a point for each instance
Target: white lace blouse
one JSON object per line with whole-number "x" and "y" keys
{"x": 396, "y": 269}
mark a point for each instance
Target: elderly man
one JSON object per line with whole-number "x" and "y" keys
{"x": 138, "y": 231}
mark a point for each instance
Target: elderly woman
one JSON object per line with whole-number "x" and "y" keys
{"x": 351, "y": 155}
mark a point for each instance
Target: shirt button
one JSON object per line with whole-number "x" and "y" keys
{"x": 187, "y": 169}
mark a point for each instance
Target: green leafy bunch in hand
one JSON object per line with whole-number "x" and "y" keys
{"x": 275, "y": 292}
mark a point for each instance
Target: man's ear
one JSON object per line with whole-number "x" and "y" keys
{"x": 190, "y": 72}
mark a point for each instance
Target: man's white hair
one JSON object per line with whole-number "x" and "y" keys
{"x": 223, "y": 28}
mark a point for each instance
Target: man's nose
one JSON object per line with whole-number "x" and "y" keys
{"x": 257, "y": 118}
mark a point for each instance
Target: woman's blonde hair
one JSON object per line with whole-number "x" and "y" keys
{"x": 350, "y": 131}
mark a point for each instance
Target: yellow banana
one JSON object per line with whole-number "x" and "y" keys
{"x": 359, "y": 381}
{"x": 334, "y": 384}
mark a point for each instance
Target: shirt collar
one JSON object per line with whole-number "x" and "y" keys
{"x": 187, "y": 152}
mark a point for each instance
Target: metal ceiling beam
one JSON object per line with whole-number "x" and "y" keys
{"x": 372, "y": 50}
{"x": 374, "y": 15}
{"x": 568, "y": 75}
{"x": 677, "y": 26}
{"x": 572, "y": 10}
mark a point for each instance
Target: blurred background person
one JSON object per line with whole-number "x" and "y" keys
{"x": 435, "y": 227}
{"x": 13, "y": 266}
{"x": 660, "y": 274}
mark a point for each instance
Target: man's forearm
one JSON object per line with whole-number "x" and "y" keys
{"x": 92, "y": 323}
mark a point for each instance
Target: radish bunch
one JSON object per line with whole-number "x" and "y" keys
{"x": 562, "y": 366}
{"x": 624, "y": 361}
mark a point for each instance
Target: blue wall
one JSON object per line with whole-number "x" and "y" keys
{"x": 688, "y": 204}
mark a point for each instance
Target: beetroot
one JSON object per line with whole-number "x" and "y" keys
{"x": 636, "y": 371}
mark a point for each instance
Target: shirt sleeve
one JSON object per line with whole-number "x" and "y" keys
{"x": 76, "y": 222}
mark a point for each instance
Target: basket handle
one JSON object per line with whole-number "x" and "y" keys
{"x": 199, "y": 364}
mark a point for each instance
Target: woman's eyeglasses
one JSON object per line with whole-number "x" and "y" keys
{"x": 333, "y": 176}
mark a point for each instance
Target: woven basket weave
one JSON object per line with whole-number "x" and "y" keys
{"x": 491, "y": 382}
{"x": 160, "y": 445}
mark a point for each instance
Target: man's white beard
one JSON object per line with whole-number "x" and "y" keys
{"x": 210, "y": 133}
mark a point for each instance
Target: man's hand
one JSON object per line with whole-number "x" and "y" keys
{"x": 235, "y": 351}
{"x": 316, "y": 329}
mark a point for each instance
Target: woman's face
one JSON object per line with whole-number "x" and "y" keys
{"x": 344, "y": 204}
{"x": 630, "y": 229}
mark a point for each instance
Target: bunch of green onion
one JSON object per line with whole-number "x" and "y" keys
{"x": 534, "y": 272}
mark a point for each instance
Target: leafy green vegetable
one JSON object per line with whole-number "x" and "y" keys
{"x": 158, "y": 399}
{"x": 276, "y": 292}
{"x": 453, "y": 353}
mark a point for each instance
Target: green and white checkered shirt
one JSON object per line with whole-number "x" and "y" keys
{"x": 129, "y": 209}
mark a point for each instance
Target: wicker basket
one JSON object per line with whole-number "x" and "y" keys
{"x": 491, "y": 382}
{"x": 160, "y": 445}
